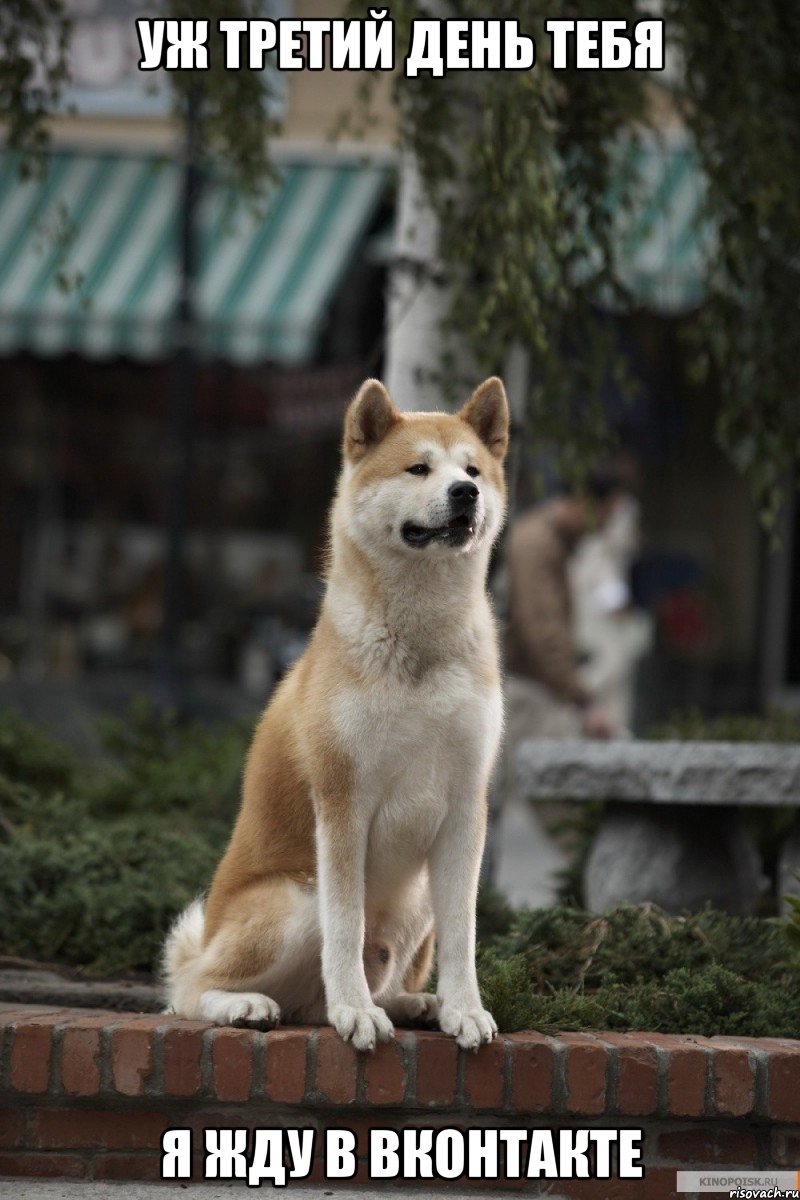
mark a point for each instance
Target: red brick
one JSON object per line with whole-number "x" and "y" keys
{"x": 80, "y": 1061}
{"x": 487, "y": 1187}
{"x": 385, "y": 1073}
{"x": 182, "y": 1049}
{"x": 724, "y": 1042}
{"x": 502, "y": 1184}
{"x": 198, "y": 1174}
{"x": 50, "y": 1166}
{"x": 483, "y": 1075}
{"x": 437, "y": 1062}
{"x": 92, "y": 1018}
{"x": 686, "y": 1075}
{"x": 532, "y": 1073}
{"x": 153, "y": 1022}
{"x": 360, "y": 1126}
{"x": 317, "y": 1175}
{"x": 128, "y": 1166}
{"x": 785, "y": 1148}
{"x": 31, "y": 1054}
{"x": 232, "y": 1063}
{"x": 84, "y": 1015}
{"x": 784, "y": 1085}
{"x": 771, "y": 1044}
{"x": 585, "y": 1074}
{"x": 285, "y": 1079}
{"x": 78, "y": 1129}
{"x": 200, "y": 1119}
{"x": 637, "y": 1082}
{"x": 637, "y": 1074}
{"x": 595, "y": 1189}
{"x": 337, "y": 1065}
{"x": 12, "y": 1128}
{"x": 709, "y": 1147}
{"x": 734, "y": 1083}
{"x": 131, "y": 1059}
{"x": 659, "y": 1184}
{"x": 12, "y": 1013}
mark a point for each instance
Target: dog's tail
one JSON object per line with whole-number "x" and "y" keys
{"x": 182, "y": 950}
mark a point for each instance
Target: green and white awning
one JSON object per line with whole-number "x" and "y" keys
{"x": 88, "y": 252}
{"x": 88, "y": 257}
{"x": 663, "y": 245}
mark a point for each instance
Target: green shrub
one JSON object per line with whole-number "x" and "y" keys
{"x": 96, "y": 860}
{"x": 100, "y": 894}
{"x": 692, "y": 725}
{"x": 160, "y": 765}
{"x": 710, "y": 1002}
{"x": 30, "y": 756}
{"x": 567, "y": 947}
{"x": 637, "y": 968}
{"x": 95, "y": 863}
{"x": 792, "y": 923}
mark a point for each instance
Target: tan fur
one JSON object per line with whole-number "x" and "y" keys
{"x": 304, "y": 776}
{"x": 420, "y": 969}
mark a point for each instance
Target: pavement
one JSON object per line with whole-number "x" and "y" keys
{"x": 62, "y": 1189}
{"x": 527, "y": 859}
{"x": 28, "y": 982}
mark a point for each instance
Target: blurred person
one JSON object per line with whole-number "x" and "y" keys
{"x": 611, "y": 634}
{"x": 547, "y": 695}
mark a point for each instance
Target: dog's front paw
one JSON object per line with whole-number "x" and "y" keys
{"x": 469, "y": 1026}
{"x": 361, "y": 1026}
{"x": 413, "y": 1006}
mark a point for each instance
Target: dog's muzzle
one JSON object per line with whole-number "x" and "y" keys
{"x": 462, "y": 499}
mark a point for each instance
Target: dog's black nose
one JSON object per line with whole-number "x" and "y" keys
{"x": 462, "y": 494}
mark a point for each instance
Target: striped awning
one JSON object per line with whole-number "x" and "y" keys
{"x": 89, "y": 257}
{"x": 662, "y": 243}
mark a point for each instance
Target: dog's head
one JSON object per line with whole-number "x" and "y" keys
{"x": 427, "y": 484}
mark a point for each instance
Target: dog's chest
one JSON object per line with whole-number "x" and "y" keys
{"x": 392, "y": 731}
{"x": 416, "y": 750}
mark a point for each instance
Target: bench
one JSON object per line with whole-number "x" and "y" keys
{"x": 672, "y": 831}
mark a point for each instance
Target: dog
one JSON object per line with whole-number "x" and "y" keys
{"x": 363, "y": 812}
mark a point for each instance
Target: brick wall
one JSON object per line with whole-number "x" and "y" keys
{"x": 88, "y": 1094}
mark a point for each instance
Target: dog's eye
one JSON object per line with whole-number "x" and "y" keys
{"x": 472, "y": 471}
{"x": 419, "y": 469}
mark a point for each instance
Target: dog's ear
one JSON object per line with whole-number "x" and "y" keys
{"x": 369, "y": 418}
{"x": 487, "y": 412}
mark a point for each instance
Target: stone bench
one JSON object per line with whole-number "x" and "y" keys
{"x": 672, "y": 832}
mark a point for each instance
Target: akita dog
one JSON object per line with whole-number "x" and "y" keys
{"x": 363, "y": 814}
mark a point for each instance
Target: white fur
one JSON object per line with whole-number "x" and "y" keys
{"x": 238, "y": 1008}
{"x": 421, "y": 727}
{"x": 185, "y": 941}
{"x": 423, "y": 750}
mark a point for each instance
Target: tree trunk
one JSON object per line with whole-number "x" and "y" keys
{"x": 417, "y": 300}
